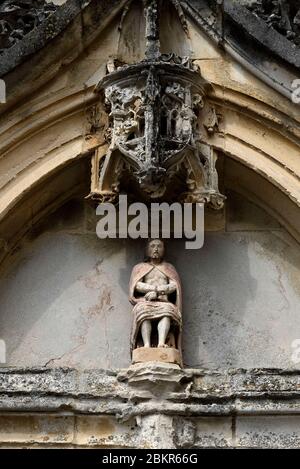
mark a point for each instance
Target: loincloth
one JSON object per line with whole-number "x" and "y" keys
{"x": 152, "y": 311}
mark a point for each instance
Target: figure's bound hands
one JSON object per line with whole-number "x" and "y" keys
{"x": 151, "y": 296}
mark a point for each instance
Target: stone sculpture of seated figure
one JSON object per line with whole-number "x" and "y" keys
{"x": 155, "y": 292}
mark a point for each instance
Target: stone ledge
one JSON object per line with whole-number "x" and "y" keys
{"x": 154, "y": 406}
{"x": 195, "y": 392}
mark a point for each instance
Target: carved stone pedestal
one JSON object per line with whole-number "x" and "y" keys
{"x": 155, "y": 379}
{"x": 154, "y": 354}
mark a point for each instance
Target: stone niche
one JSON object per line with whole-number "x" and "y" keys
{"x": 64, "y": 296}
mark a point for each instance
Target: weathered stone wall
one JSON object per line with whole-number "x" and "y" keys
{"x": 194, "y": 409}
{"x": 64, "y": 297}
{"x": 63, "y": 292}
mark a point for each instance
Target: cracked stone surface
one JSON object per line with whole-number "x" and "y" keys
{"x": 282, "y": 15}
{"x": 19, "y": 17}
{"x": 64, "y": 299}
{"x": 233, "y": 408}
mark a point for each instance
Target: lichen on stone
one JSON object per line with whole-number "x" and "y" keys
{"x": 282, "y": 15}
{"x": 20, "y": 17}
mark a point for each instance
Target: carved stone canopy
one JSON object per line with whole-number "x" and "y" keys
{"x": 154, "y": 108}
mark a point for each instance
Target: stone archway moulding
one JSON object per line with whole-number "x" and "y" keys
{"x": 48, "y": 135}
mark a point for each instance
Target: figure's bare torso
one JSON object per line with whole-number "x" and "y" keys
{"x": 157, "y": 278}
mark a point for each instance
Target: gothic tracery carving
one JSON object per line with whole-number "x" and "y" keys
{"x": 155, "y": 108}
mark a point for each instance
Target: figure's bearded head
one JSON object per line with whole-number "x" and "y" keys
{"x": 155, "y": 249}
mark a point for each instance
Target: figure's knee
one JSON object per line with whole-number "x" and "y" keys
{"x": 146, "y": 325}
{"x": 166, "y": 320}
{"x": 164, "y": 323}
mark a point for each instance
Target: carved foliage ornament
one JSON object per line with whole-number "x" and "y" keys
{"x": 154, "y": 108}
{"x": 282, "y": 15}
{"x": 19, "y": 17}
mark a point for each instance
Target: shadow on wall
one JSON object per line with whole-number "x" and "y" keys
{"x": 219, "y": 291}
{"x": 212, "y": 309}
{"x": 241, "y": 298}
